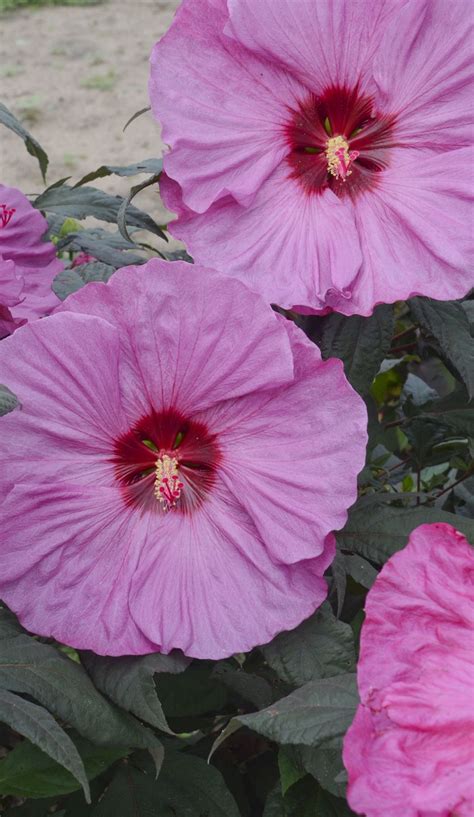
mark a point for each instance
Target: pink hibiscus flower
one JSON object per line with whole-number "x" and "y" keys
{"x": 31, "y": 261}
{"x": 321, "y": 151}
{"x": 409, "y": 751}
{"x": 180, "y": 459}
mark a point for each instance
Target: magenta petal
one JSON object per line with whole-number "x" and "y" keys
{"x": 167, "y": 337}
{"x": 416, "y": 232}
{"x": 323, "y": 43}
{"x": 294, "y": 249}
{"x": 222, "y": 108}
{"x": 21, "y": 239}
{"x": 193, "y": 568}
{"x": 11, "y": 283}
{"x": 64, "y": 371}
{"x": 278, "y": 484}
{"x": 429, "y": 51}
{"x": 409, "y": 749}
{"x": 67, "y": 572}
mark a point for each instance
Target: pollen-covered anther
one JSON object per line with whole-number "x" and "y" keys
{"x": 339, "y": 157}
{"x": 167, "y": 483}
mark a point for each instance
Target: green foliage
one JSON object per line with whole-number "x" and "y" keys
{"x": 8, "y": 401}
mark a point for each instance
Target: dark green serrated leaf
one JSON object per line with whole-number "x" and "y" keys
{"x": 70, "y": 280}
{"x": 130, "y": 682}
{"x": 187, "y": 787}
{"x": 8, "y": 400}
{"x": 36, "y": 724}
{"x": 361, "y": 343}
{"x": 312, "y": 714}
{"x": 33, "y": 147}
{"x": 448, "y": 323}
{"x": 153, "y": 166}
{"x": 28, "y": 772}
{"x": 320, "y": 647}
{"x": 81, "y": 202}
{"x": 376, "y": 530}
{"x": 46, "y": 674}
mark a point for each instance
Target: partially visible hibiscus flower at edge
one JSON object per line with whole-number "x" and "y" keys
{"x": 410, "y": 749}
{"x": 28, "y": 263}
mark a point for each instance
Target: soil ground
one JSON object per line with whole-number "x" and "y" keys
{"x": 74, "y": 75}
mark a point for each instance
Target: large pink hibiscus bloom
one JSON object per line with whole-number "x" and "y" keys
{"x": 180, "y": 458}
{"x": 409, "y": 751}
{"x": 320, "y": 149}
{"x": 30, "y": 262}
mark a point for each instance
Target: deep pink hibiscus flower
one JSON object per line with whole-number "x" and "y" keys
{"x": 180, "y": 459}
{"x": 321, "y": 151}
{"x": 30, "y": 261}
{"x": 409, "y": 751}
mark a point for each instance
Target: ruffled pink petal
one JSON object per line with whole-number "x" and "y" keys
{"x": 21, "y": 239}
{"x": 68, "y": 556}
{"x": 293, "y": 248}
{"x": 323, "y": 43}
{"x": 409, "y": 750}
{"x": 64, "y": 371}
{"x": 38, "y": 297}
{"x": 8, "y": 324}
{"x": 416, "y": 232}
{"x": 423, "y": 70}
{"x": 172, "y": 352}
{"x": 11, "y": 283}
{"x": 223, "y": 109}
{"x": 297, "y": 491}
{"x": 212, "y": 586}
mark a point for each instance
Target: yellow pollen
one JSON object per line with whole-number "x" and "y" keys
{"x": 167, "y": 484}
{"x": 338, "y": 157}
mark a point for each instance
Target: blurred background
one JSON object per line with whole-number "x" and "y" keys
{"x": 74, "y": 72}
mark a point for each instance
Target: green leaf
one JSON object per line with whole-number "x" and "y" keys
{"x": 28, "y": 772}
{"x": 320, "y": 647}
{"x": 106, "y": 246}
{"x": 187, "y": 787}
{"x": 376, "y": 530}
{"x": 360, "y": 570}
{"x": 153, "y": 166}
{"x": 62, "y": 686}
{"x": 33, "y": 147}
{"x": 81, "y": 202}
{"x": 245, "y": 685}
{"x": 448, "y": 324}
{"x": 192, "y": 693}
{"x": 130, "y": 682}
{"x": 70, "y": 280}
{"x": 309, "y": 716}
{"x": 325, "y": 764}
{"x": 289, "y": 770}
{"x": 361, "y": 343}
{"x": 8, "y": 400}
{"x": 305, "y": 799}
{"x": 34, "y": 723}
{"x": 123, "y": 214}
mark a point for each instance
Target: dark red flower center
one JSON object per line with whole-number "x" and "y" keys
{"x": 166, "y": 462}
{"x": 338, "y": 140}
{"x": 6, "y": 214}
